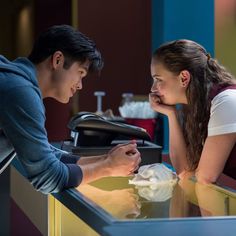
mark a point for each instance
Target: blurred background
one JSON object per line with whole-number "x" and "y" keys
{"x": 121, "y": 30}
{"x": 126, "y": 32}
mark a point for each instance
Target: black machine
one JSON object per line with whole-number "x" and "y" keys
{"x": 92, "y": 134}
{"x": 94, "y": 130}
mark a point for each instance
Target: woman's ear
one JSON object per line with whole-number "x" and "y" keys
{"x": 185, "y": 78}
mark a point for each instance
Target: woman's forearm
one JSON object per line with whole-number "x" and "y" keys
{"x": 177, "y": 145}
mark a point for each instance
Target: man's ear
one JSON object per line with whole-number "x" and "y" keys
{"x": 185, "y": 78}
{"x": 57, "y": 59}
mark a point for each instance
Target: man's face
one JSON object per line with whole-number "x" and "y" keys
{"x": 67, "y": 81}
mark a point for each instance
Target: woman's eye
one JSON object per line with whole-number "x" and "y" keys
{"x": 158, "y": 80}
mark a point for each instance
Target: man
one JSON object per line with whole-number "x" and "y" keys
{"x": 60, "y": 59}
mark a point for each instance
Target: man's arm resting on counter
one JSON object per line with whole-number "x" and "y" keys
{"x": 91, "y": 159}
{"x": 94, "y": 171}
{"x": 120, "y": 161}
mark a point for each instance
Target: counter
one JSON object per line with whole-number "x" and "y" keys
{"x": 110, "y": 206}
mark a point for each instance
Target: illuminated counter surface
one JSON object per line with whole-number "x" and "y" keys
{"x": 110, "y": 206}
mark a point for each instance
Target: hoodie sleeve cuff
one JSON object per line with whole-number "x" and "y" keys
{"x": 69, "y": 158}
{"x": 75, "y": 176}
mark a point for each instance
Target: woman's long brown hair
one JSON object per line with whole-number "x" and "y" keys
{"x": 205, "y": 73}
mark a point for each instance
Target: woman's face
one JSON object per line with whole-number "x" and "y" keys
{"x": 168, "y": 86}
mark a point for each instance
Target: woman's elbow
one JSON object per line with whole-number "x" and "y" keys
{"x": 185, "y": 174}
{"x": 205, "y": 179}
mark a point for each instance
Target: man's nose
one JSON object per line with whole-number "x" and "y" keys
{"x": 79, "y": 86}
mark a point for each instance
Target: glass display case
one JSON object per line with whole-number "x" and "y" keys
{"x": 111, "y": 206}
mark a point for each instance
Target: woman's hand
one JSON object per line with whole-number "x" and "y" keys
{"x": 157, "y": 105}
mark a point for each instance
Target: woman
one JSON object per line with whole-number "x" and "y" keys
{"x": 203, "y": 132}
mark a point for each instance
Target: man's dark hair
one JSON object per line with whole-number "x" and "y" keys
{"x": 72, "y": 43}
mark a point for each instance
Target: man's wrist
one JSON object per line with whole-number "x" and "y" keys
{"x": 91, "y": 159}
{"x": 96, "y": 170}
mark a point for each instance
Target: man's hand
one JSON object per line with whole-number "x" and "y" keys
{"x": 123, "y": 159}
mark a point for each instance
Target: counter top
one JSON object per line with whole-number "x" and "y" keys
{"x": 111, "y": 206}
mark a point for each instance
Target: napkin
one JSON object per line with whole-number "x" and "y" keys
{"x": 155, "y": 182}
{"x": 153, "y": 174}
{"x": 141, "y": 110}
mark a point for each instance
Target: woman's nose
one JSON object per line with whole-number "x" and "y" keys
{"x": 154, "y": 88}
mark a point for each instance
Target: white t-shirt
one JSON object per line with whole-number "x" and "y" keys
{"x": 223, "y": 113}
